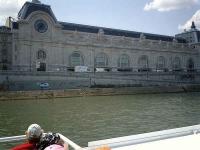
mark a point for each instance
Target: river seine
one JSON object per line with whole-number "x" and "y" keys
{"x": 86, "y": 119}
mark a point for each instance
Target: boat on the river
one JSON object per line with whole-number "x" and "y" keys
{"x": 186, "y": 138}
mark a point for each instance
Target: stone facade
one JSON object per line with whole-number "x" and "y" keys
{"x": 192, "y": 36}
{"x": 5, "y": 48}
{"x": 59, "y": 49}
{"x": 38, "y": 42}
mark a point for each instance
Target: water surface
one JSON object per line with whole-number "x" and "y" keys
{"x": 86, "y": 119}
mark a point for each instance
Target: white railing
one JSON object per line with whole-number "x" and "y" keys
{"x": 146, "y": 137}
{"x": 71, "y": 143}
{"x": 12, "y": 139}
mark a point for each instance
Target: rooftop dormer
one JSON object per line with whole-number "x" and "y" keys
{"x": 35, "y": 5}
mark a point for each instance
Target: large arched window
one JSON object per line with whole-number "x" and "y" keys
{"x": 124, "y": 61}
{"x": 177, "y": 63}
{"x": 160, "y": 63}
{"x": 143, "y": 62}
{"x": 190, "y": 65}
{"x": 76, "y": 59}
{"x": 101, "y": 60}
{"x": 41, "y": 54}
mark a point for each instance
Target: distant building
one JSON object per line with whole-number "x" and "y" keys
{"x": 38, "y": 42}
{"x": 192, "y": 36}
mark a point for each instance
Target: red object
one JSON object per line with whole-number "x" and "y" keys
{"x": 25, "y": 146}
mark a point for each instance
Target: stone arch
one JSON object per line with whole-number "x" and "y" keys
{"x": 41, "y": 54}
{"x": 45, "y": 16}
{"x": 190, "y": 64}
{"x": 161, "y": 63}
{"x": 143, "y": 63}
{"x": 176, "y": 65}
{"x": 124, "y": 61}
{"x": 76, "y": 59}
{"x": 101, "y": 60}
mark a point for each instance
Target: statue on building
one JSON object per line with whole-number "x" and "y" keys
{"x": 193, "y": 25}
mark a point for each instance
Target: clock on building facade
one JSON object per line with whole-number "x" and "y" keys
{"x": 41, "y": 26}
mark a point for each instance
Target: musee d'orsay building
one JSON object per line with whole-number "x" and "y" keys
{"x": 38, "y": 42}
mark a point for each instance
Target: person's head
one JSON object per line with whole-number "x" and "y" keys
{"x": 34, "y": 133}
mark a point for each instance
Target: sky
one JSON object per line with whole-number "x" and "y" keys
{"x": 166, "y": 17}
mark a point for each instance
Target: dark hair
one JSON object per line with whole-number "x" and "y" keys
{"x": 47, "y": 140}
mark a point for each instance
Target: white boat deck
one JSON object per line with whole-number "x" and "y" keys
{"x": 191, "y": 142}
{"x": 187, "y": 138}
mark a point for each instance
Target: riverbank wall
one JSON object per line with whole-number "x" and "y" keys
{"x": 30, "y": 81}
{"x": 51, "y": 94}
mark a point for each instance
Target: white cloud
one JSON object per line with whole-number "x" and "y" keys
{"x": 195, "y": 18}
{"x": 168, "y": 5}
{"x": 9, "y": 8}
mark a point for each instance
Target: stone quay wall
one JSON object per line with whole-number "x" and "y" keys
{"x": 26, "y": 81}
{"x": 52, "y": 94}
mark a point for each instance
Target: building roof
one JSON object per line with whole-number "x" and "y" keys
{"x": 30, "y": 7}
{"x": 189, "y": 34}
{"x": 118, "y": 32}
{"x": 198, "y": 36}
